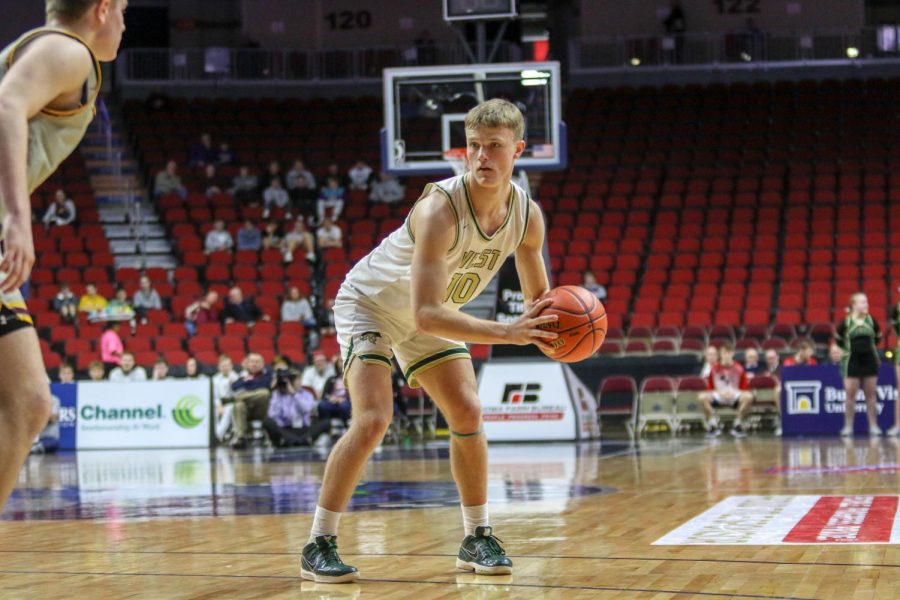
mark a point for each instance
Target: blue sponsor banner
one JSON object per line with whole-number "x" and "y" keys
{"x": 68, "y": 413}
{"x": 812, "y": 400}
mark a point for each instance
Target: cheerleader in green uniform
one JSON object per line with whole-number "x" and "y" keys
{"x": 858, "y": 335}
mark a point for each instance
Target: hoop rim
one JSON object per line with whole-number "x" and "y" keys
{"x": 457, "y": 159}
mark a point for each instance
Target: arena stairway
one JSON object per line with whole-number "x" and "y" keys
{"x": 137, "y": 239}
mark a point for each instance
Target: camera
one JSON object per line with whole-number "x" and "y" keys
{"x": 284, "y": 378}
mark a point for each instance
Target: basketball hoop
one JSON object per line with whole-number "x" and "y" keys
{"x": 457, "y": 159}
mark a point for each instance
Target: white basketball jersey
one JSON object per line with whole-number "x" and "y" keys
{"x": 383, "y": 276}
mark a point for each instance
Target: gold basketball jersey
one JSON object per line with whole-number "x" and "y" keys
{"x": 53, "y": 134}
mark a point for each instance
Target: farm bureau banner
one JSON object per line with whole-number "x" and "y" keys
{"x": 812, "y": 400}
{"x": 153, "y": 414}
{"x": 527, "y": 401}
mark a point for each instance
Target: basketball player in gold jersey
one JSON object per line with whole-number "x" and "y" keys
{"x": 49, "y": 81}
{"x": 403, "y": 301}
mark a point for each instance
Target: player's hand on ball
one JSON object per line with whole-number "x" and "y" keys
{"x": 18, "y": 257}
{"x": 525, "y": 330}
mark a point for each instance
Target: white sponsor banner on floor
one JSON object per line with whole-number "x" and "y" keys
{"x": 777, "y": 520}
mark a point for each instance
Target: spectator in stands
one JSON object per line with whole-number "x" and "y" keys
{"x": 146, "y": 298}
{"x": 211, "y": 183}
{"x": 300, "y": 177}
{"x": 169, "y": 182}
{"x": 676, "y": 26}
{"x": 752, "y": 366}
{"x": 271, "y": 237}
{"x": 276, "y": 195}
{"x": 252, "y": 391}
{"x": 298, "y": 237}
{"x": 192, "y": 369}
{"x": 226, "y": 155}
{"x": 66, "y": 304}
{"x": 218, "y": 238}
{"x": 244, "y": 310}
{"x": 316, "y": 375}
{"x": 204, "y": 310}
{"x": 249, "y": 237}
{"x": 61, "y": 211}
{"x": 66, "y": 373}
{"x": 329, "y": 234}
{"x": 48, "y": 438}
{"x": 91, "y": 301}
{"x": 805, "y": 355}
{"x": 589, "y": 282}
{"x": 835, "y": 355}
{"x": 96, "y": 371}
{"x": 273, "y": 171}
{"x": 127, "y": 371}
{"x": 335, "y": 171}
{"x": 359, "y": 176}
{"x": 223, "y": 396}
{"x": 387, "y": 189}
{"x": 160, "y": 370}
{"x": 331, "y": 198}
{"x": 290, "y": 419}
{"x": 301, "y": 185}
{"x": 244, "y": 186}
{"x": 335, "y": 402}
{"x": 111, "y": 347}
{"x": 858, "y": 335}
{"x": 296, "y": 308}
{"x": 120, "y": 301}
{"x": 202, "y": 152}
{"x": 728, "y": 387}
{"x": 712, "y": 359}
{"x": 773, "y": 363}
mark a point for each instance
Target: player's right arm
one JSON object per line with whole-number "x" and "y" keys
{"x": 47, "y": 70}
{"x": 435, "y": 229}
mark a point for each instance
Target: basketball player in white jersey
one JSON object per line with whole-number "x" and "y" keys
{"x": 403, "y": 301}
{"x": 49, "y": 81}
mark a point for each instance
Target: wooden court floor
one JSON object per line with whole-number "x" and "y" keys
{"x": 579, "y": 521}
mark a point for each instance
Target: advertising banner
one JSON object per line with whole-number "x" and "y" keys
{"x": 67, "y": 394}
{"x": 535, "y": 401}
{"x": 155, "y": 414}
{"x": 812, "y": 400}
{"x": 784, "y": 520}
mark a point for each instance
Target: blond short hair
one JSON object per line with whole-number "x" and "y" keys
{"x": 68, "y": 10}
{"x": 497, "y": 113}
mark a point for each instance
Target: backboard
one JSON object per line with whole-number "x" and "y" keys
{"x": 424, "y": 110}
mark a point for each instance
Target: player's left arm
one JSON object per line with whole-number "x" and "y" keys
{"x": 530, "y": 257}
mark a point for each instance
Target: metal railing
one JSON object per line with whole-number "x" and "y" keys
{"x": 235, "y": 66}
{"x": 749, "y": 47}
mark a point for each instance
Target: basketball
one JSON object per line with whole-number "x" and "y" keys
{"x": 581, "y": 325}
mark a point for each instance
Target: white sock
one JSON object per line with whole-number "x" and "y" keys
{"x": 325, "y": 522}
{"x": 475, "y": 516}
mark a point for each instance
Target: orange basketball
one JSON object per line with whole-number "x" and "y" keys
{"x": 581, "y": 325}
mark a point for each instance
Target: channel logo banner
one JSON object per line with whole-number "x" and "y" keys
{"x": 155, "y": 414}
{"x": 786, "y": 520}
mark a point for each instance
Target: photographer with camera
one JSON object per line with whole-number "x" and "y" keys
{"x": 290, "y": 421}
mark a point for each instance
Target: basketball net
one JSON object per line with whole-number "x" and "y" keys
{"x": 457, "y": 159}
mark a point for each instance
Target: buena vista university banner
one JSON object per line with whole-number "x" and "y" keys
{"x": 812, "y": 400}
